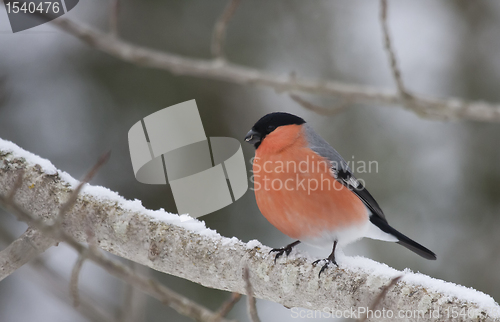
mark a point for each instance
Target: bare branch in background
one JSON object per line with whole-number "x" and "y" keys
{"x": 90, "y": 306}
{"x": 204, "y": 257}
{"x": 227, "y": 306}
{"x": 396, "y": 72}
{"x": 22, "y": 250}
{"x": 176, "y": 301}
{"x": 56, "y": 285}
{"x": 381, "y": 296}
{"x": 134, "y": 301}
{"x": 73, "y": 282}
{"x": 126, "y": 313}
{"x": 219, "y": 33}
{"x": 113, "y": 17}
{"x": 320, "y": 109}
{"x": 434, "y": 108}
{"x": 251, "y": 304}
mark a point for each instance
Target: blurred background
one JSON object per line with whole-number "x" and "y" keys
{"x": 438, "y": 182}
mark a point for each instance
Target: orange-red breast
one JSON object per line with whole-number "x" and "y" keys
{"x": 306, "y": 189}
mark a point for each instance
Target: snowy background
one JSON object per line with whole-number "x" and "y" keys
{"x": 438, "y": 182}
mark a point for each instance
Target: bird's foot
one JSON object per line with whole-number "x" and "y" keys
{"x": 285, "y": 250}
{"x": 328, "y": 262}
{"x": 280, "y": 252}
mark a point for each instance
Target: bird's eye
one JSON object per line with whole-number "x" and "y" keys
{"x": 271, "y": 128}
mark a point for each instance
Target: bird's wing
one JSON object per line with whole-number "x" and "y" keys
{"x": 342, "y": 172}
{"x": 348, "y": 180}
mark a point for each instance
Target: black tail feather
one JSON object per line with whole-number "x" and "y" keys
{"x": 402, "y": 239}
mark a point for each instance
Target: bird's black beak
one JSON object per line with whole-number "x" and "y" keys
{"x": 252, "y": 137}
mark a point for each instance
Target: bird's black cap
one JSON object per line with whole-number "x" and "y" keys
{"x": 269, "y": 123}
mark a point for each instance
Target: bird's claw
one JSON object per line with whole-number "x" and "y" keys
{"x": 280, "y": 252}
{"x": 328, "y": 262}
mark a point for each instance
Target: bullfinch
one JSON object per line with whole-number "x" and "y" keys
{"x": 306, "y": 189}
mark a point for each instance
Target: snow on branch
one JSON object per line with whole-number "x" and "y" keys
{"x": 185, "y": 247}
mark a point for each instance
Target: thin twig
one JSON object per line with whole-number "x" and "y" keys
{"x": 450, "y": 108}
{"x": 57, "y": 286}
{"x": 320, "y": 109}
{"x": 126, "y": 312}
{"x": 23, "y": 250}
{"x": 251, "y": 304}
{"x": 396, "y": 73}
{"x": 227, "y": 306}
{"x": 131, "y": 232}
{"x": 73, "y": 283}
{"x": 442, "y": 109}
{"x": 381, "y": 296}
{"x": 176, "y": 301}
{"x": 91, "y": 306}
{"x": 219, "y": 33}
{"x": 113, "y": 17}
{"x": 134, "y": 301}
{"x": 74, "y": 195}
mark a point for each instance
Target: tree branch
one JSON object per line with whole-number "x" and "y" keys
{"x": 178, "y": 302}
{"x": 319, "y": 109}
{"x": 219, "y": 33}
{"x": 396, "y": 73}
{"x": 380, "y": 297}
{"x": 185, "y": 248}
{"x": 22, "y": 250}
{"x": 134, "y": 306}
{"x": 251, "y": 303}
{"x": 227, "y": 306}
{"x": 443, "y": 109}
{"x": 74, "y": 194}
{"x": 49, "y": 279}
{"x": 73, "y": 282}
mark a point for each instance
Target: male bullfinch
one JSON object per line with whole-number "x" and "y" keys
{"x": 306, "y": 190}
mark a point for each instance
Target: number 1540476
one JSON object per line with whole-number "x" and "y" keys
{"x": 32, "y": 7}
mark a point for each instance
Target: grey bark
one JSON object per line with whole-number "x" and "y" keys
{"x": 217, "y": 262}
